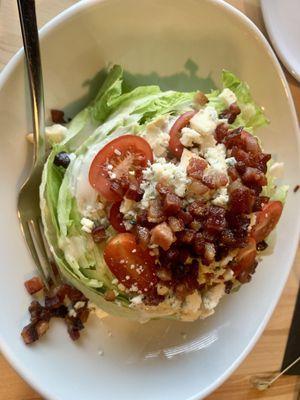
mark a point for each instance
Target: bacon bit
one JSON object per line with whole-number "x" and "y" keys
{"x": 199, "y": 244}
{"x": 261, "y": 246}
{"x": 197, "y": 189}
{"x": 172, "y": 204}
{"x": 296, "y": 188}
{"x": 221, "y": 132}
{"x": 231, "y": 113}
{"x": 215, "y": 180}
{"x": 241, "y": 198}
{"x": 53, "y": 302}
{"x": 163, "y": 236}
{"x": 197, "y": 209}
{"x": 98, "y": 234}
{"x": 134, "y": 192}
{"x": 232, "y": 173}
{"x": 196, "y": 168}
{"x": 163, "y": 189}
{"x": 164, "y": 274}
{"x": 143, "y": 236}
{"x": 228, "y": 287}
{"x": 185, "y": 216}
{"x": 196, "y": 225}
{"x": 34, "y": 285}
{"x": 42, "y": 327}
{"x": 155, "y": 211}
{"x": 186, "y": 236}
{"x": 200, "y": 98}
{"x": 29, "y": 333}
{"x": 254, "y": 176}
{"x": 171, "y": 255}
{"x": 110, "y": 295}
{"x": 175, "y": 224}
{"x": 57, "y": 116}
{"x": 215, "y": 220}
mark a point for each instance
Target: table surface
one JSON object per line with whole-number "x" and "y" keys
{"x": 268, "y": 353}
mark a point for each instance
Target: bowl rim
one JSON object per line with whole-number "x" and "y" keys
{"x": 18, "y": 58}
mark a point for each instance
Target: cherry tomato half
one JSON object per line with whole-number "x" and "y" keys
{"x": 175, "y": 146}
{"x": 124, "y": 158}
{"x": 116, "y": 218}
{"x": 266, "y": 220}
{"x": 130, "y": 264}
{"x": 245, "y": 260}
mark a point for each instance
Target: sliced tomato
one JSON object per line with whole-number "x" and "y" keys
{"x": 116, "y": 218}
{"x": 175, "y": 146}
{"x": 120, "y": 162}
{"x": 266, "y": 220}
{"x": 130, "y": 264}
{"x": 245, "y": 260}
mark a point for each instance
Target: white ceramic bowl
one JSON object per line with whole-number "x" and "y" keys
{"x": 155, "y": 360}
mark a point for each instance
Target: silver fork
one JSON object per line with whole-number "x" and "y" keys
{"x": 28, "y": 202}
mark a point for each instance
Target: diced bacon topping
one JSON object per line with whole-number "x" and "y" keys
{"x": 34, "y": 285}
{"x": 196, "y": 168}
{"x": 162, "y": 236}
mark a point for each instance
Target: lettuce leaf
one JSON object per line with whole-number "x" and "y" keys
{"x": 252, "y": 116}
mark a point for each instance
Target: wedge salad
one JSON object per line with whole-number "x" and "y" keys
{"x": 156, "y": 203}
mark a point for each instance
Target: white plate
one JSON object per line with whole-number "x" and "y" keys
{"x": 282, "y": 20}
{"x": 155, "y": 360}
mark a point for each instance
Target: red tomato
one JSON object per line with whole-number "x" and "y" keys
{"x": 266, "y": 220}
{"x": 130, "y": 264}
{"x": 245, "y": 258}
{"x": 175, "y": 145}
{"x": 126, "y": 157}
{"x": 116, "y": 218}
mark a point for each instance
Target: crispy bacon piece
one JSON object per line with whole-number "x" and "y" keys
{"x": 197, "y": 189}
{"x": 155, "y": 211}
{"x": 196, "y": 168}
{"x": 221, "y": 132}
{"x": 34, "y": 285}
{"x": 57, "y": 116}
{"x": 185, "y": 216}
{"x": 175, "y": 224}
{"x": 172, "y": 204}
{"x": 186, "y": 236}
{"x": 215, "y": 180}
{"x": 231, "y": 113}
{"x": 197, "y": 209}
{"x": 254, "y": 176}
{"x": 241, "y": 198}
{"x": 215, "y": 220}
{"x": 134, "y": 192}
{"x": 98, "y": 234}
{"x": 163, "y": 236}
{"x": 200, "y": 98}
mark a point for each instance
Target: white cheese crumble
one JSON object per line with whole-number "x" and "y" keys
{"x": 137, "y": 299}
{"x": 205, "y": 121}
{"x": 231, "y": 161}
{"x": 127, "y": 205}
{"x": 163, "y": 171}
{"x": 228, "y": 97}
{"x": 157, "y": 136}
{"x": 221, "y": 197}
{"x": 54, "y": 134}
{"x": 87, "y": 225}
{"x": 79, "y": 305}
{"x": 129, "y": 209}
{"x": 190, "y": 137}
{"x": 216, "y": 156}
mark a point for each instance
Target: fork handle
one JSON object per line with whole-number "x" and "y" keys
{"x": 30, "y": 36}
